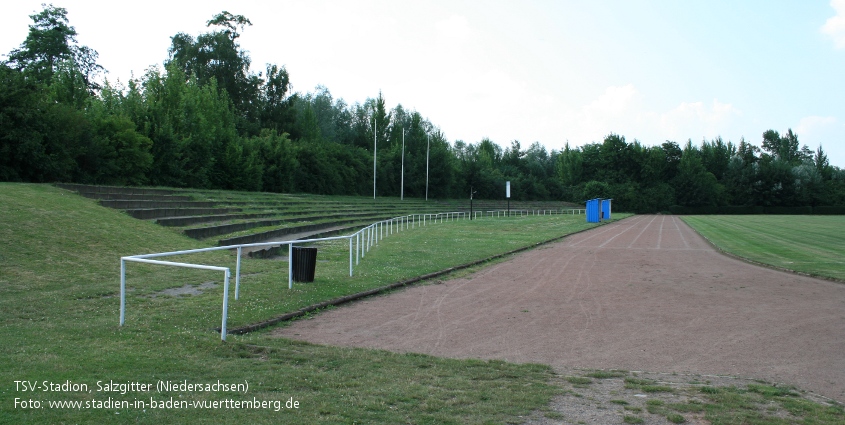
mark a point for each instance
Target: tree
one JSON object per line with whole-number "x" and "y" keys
{"x": 23, "y": 154}
{"x": 616, "y": 163}
{"x": 822, "y": 163}
{"x": 595, "y": 189}
{"x": 715, "y": 156}
{"x": 118, "y": 155}
{"x": 50, "y": 42}
{"x": 673, "y": 154}
{"x": 694, "y": 185}
{"x": 785, "y": 148}
{"x": 259, "y": 102}
{"x": 191, "y": 126}
{"x": 275, "y": 154}
{"x": 569, "y": 165}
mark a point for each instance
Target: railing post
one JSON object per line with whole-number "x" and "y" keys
{"x": 290, "y": 265}
{"x": 238, "y": 274}
{"x": 122, "y": 291}
{"x": 225, "y": 305}
{"x": 350, "y": 256}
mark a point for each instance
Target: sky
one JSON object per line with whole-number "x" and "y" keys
{"x": 553, "y": 72}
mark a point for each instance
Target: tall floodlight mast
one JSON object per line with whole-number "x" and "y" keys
{"x": 427, "y": 148}
{"x": 402, "y": 190}
{"x": 375, "y": 149}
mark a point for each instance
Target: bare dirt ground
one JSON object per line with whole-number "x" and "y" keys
{"x": 646, "y": 293}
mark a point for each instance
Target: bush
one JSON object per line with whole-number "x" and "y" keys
{"x": 830, "y": 210}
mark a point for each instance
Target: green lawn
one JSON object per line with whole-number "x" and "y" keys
{"x": 809, "y": 244}
{"x": 59, "y": 270}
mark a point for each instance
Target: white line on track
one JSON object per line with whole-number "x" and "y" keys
{"x": 641, "y": 232}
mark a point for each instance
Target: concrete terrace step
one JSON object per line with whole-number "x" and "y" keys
{"x": 154, "y": 213}
{"x": 198, "y": 219}
{"x": 141, "y": 204}
{"x": 520, "y": 205}
{"x": 223, "y": 229}
{"x": 281, "y": 251}
{"x": 270, "y": 235}
{"x": 225, "y": 218}
{"x": 114, "y": 189}
{"x": 134, "y": 197}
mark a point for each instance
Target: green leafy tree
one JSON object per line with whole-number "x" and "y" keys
{"x": 617, "y": 165}
{"x": 822, "y": 163}
{"x": 191, "y": 126}
{"x": 24, "y": 154}
{"x": 785, "y": 148}
{"x": 694, "y": 185}
{"x": 715, "y": 156}
{"x": 51, "y": 41}
{"x": 118, "y": 154}
{"x": 276, "y": 155}
{"x": 596, "y": 189}
{"x": 673, "y": 153}
{"x": 569, "y": 166}
{"x": 259, "y": 101}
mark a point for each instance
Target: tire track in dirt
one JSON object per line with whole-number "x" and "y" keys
{"x": 645, "y": 293}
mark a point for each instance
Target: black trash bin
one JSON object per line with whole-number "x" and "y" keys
{"x": 304, "y": 263}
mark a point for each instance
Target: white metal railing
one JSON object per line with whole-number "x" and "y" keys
{"x": 365, "y": 239}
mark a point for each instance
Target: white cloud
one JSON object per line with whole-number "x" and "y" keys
{"x": 453, "y": 29}
{"x": 624, "y": 110}
{"x": 835, "y": 26}
{"x": 613, "y": 102}
{"x": 813, "y": 124}
{"x": 691, "y": 119}
{"x": 616, "y": 110}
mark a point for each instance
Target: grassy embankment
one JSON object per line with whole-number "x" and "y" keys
{"x": 58, "y": 295}
{"x": 807, "y": 244}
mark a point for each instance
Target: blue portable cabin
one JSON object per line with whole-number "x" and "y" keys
{"x": 605, "y": 209}
{"x": 594, "y": 210}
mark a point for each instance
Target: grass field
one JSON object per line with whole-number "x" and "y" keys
{"x": 58, "y": 295}
{"x": 809, "y": 244}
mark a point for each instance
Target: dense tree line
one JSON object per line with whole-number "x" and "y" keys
{"x": 716, "y": 173}
{"x": 205, "y": 119}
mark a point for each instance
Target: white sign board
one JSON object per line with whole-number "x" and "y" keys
{"x": 508, "y": 190}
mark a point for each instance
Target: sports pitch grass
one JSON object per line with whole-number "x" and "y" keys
{"x": 807, "y": 244}
{"x": 59, "y": 287}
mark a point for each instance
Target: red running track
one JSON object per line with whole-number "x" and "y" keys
{"x": 646, "y": 293}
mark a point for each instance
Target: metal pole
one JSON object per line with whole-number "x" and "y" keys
{"x": 122, "y": 290}
{"x": 402, "y": 190}
{"x": 225, "y": 305}
{"x": 428, "y": 147}
{"x": 375, "y": 149}
{"x": 238, "y": 274}
{"x": 290, "y": 266}
{"x": 350, "y": 256}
